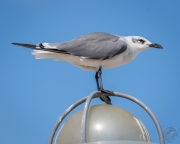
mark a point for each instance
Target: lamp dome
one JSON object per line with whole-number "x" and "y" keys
{"x": 104, "y": 123}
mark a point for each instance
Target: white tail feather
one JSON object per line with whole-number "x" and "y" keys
{"x": 39, "y": 54}
{"x": 78, "y": 61}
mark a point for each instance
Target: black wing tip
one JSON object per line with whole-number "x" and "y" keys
{"x": 24, "y": 45}
{"x": 19, "y": 44}
{"x": 15, "y": 43}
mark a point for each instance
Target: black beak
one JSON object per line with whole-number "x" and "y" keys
{"x": 154, "y": 45}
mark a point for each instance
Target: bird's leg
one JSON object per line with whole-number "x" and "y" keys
{"x": 99, "y": 83}
{"x": 100, "y": 78}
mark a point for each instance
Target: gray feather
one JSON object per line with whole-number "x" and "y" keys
{"x": 93, "y": 46}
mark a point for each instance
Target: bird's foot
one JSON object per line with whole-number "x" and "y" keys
{"x": 104, "y": 96}
{"x": 106, "y": 91}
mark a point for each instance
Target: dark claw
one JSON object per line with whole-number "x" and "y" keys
{"x": 107, "y": 98}
{"x": 106, "y": 91}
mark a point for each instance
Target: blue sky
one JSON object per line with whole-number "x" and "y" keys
{"x": 34, "y": 93}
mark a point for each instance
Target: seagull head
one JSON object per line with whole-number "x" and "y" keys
{"x": 141, "y": 43}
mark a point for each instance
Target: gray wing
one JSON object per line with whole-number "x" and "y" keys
{"x": 94, "y": 46}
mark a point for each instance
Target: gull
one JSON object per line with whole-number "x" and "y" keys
{"x": 94, "y": 51}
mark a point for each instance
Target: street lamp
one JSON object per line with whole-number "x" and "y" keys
{"x": 103, "y": 124}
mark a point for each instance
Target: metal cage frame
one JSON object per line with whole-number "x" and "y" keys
{"x": 87, "y": 101}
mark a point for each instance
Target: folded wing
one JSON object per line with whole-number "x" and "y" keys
{"x": 99, "y": 46}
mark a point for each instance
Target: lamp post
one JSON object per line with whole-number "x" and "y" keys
{"x": 103, "y": 124}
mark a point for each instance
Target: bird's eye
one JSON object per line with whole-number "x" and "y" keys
{"x": 141, "y": 41}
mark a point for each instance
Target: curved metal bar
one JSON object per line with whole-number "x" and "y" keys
{"x": 84, "y": 116}
{"x": 61, "y": 118}
{"x": 93, "y": 95}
